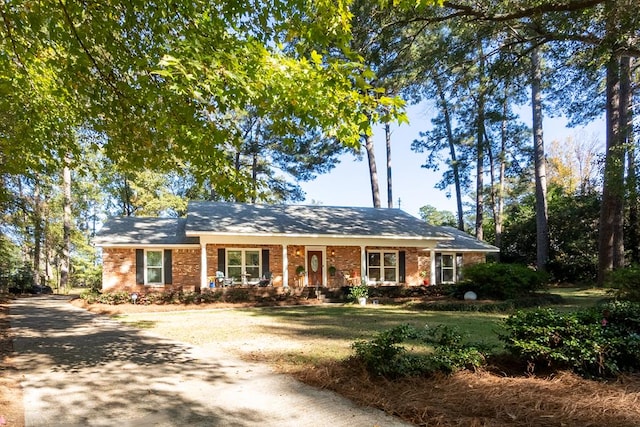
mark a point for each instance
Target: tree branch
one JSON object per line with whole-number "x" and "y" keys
{"x": 7, "y": 26}
{"x": 569, "y": 6}
{"x": 106, "y": 78}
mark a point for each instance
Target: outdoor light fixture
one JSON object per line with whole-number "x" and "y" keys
{"x": 297, "y": 252}
{"x": 333, "y": 252}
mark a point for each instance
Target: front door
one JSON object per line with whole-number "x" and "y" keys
{"x": 314, "y": 267}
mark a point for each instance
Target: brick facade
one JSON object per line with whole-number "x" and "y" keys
{"x": 119, "y": 270}
{"x": 119, "y": 266}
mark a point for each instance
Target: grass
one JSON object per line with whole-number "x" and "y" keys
{"x": 306, "y": 334}
{"x": 293, "y": 336}
{"x": 578, "y": 298}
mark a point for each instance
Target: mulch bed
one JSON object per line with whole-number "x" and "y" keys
{"x": 488, "y": 399}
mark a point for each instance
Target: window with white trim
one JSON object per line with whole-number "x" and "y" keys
{"x": 382, "y": 266}
{"x": 448, "y": 268}
{"x": 153, "y": 267}
{"x": 244, "y": 265}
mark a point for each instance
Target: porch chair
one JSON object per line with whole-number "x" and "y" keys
{"x": 267, "y": 280}
{"x": 223, "y": 281}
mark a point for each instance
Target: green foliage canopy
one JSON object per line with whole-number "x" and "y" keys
{"x": 166, "y": 81}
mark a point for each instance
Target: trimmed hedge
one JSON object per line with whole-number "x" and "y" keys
{"x": 500, "y": 281}
{"x": 536, "y": 300}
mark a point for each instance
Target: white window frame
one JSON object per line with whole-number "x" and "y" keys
{"x": 454, "y": 268}
{"x": 383, "y": 267}
{"x": 147, "y": 282}
{"x": 243, "y": 266}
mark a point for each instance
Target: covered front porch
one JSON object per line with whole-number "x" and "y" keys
{"x": 301, "y": 264}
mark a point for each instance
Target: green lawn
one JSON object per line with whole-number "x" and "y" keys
{"x": 305, "y": 335}
{"x": 577, "y": 298}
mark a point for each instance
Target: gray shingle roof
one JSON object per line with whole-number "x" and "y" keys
{"x": 463, "y": 241}
{"x": 282, "y": 220}
{"x": 237, "y": 218}
{"x": 144, "y": 231}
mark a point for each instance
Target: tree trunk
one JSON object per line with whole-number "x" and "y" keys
{"x": 610, "y": 245}
{"x": 387, "y": 134}
{"x": 254, "y": 176}
{"x": 455, "y": 167}
{"x": 65, "y": 263}
{"x": 373, "y": 172}
{"x": 626, "y": 121}
{"x": 480, "y": 145}
{"x": 499, "y": 218}
{"x": 480, "y": 170}
{"x": 542, "y": 227}
{"x": 37, "y": 232}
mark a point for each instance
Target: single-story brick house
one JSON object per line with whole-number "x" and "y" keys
{"x": 290, "y": 245}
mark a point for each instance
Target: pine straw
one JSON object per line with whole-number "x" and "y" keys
{"x": 486, "y": 399}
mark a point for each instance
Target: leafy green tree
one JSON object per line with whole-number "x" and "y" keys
{"x": 433, "y": 216}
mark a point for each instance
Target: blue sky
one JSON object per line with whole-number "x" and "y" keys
{"x": 348, "y": 184}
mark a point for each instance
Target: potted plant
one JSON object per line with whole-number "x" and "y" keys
{"x": 359, "y": 293}
{"x": 425, "y": 278}
{"x": 332, "y": 271}
{"x": 300, "y": 270}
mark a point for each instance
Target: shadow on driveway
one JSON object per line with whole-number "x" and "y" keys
{"x": 81, "y": 369}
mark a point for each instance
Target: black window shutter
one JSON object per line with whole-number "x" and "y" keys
{"x": 222, "y": 261}
{"x": 402, "y": 270}
{"x": 168, "y": 271}
{"x": 265, "y": 261}
{"x": 140, "y": 266}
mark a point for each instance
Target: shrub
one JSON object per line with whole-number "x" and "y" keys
{"x": 209, "y": 296}
{"x": 234, "y": 295}
{"x": 112, "y": 298}
{"x": 600, "y": 341}
{"x": 509, "y": 305}
{"x": 626, "y": 282}
{"x": 386, "y": 356}
{"x": 500, "y": 281}
{"x": 91, "y": 295}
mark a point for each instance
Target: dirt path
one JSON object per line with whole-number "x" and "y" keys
{"x": 81, "y": 369}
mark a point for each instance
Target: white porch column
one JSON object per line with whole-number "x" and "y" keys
{"x": 432, "y": 259}
{"x": 363, "y": 262}
{"x": 285, "y": 267}
{"x": 204, "y": 282}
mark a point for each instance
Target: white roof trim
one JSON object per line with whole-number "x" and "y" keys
{"x": 316, "y": 236}
{"x": 148, "y": 245}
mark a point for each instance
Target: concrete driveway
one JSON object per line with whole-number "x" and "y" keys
{"x": 80, "y": 369}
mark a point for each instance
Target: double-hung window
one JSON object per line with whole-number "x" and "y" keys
{"x": 382, "y": 266}
{"x": 243, "y": 265}
{"x": 153, "y": 267}
{"x": 448, "y": 268}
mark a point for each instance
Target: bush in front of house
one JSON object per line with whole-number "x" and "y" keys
{"x": 393, "y": 292}
{"x": 386, "y": 355}
{"x": 625, "y": 282}
{"x": 509, "y": 305}
{"x": 235, "y": 295}
{"x": 597, "y": 342}
{"x": 93, "y": 296}
{"x": 500, "y": 281}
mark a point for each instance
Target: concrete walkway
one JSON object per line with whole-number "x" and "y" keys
{"x": 80, "y": 369}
